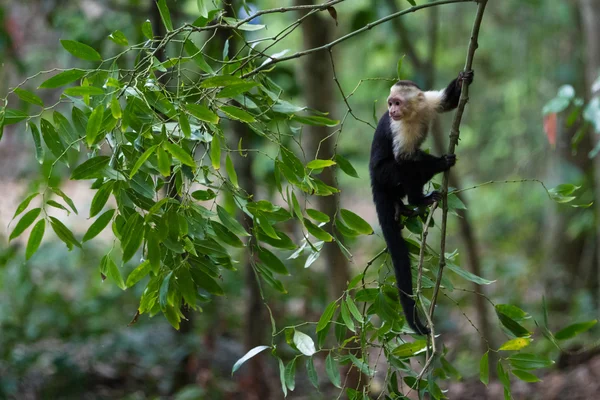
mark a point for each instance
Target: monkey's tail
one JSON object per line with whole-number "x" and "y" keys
{"x": 401, "y": 260}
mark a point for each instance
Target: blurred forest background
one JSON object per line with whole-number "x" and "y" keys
{"x": 64, "y": 332}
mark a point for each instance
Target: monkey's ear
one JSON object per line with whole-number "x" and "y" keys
{"x": 421, "y": 96}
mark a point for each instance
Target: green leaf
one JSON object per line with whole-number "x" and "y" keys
{"x": 164, "y": 291}
{"x": 180, "y": 154}
{"x": 412, "y": 2}
{"x": 525, "y": 376}
{"x": 100, "y": 198}
{"x": 141, "y": 160}
{"x": 238, "y": 113}
{"x": 55, "y": 204}
{"x": 29, "y": 97}
{"x": 574, "y": 330}
{"x": 221, "y": 80}
{"x": 282, "y": 377}
{"x": 202, "y": 8}
{"x": 119, "y": 38}
{"x": 271, "y": 261}
{"x": 231, "y": 171}
{"x": 164, "y": 14}
{"x": 184, "y": 125}
{"x": 356, "y": 223}
{"x": 362, "y": 366}
{"x": 333, "y": 372}
{"x": 468, "y": 275}
{"x": 236, "y": 89}
{"x": 132, "y": 236}
{"x": 512, "y": 311}
{"x": 484, "y": 369}
{"x": 317, "y": 232}
{"x": 410, "y": 349}
{"x": 66, "y": 198}
{"x": 204, "y": 195}
{"x": 215, "y": 152}
{"x": 90, "y": 169}
{"x": 11, "y": 116}
{"x": 84, "y": 91}
{"x": 230, "y": 222}
{"x": 247, "y": 26}
{"x": 503, "y": 376}
{"x": 354, "y": 310}
{"x": 327, "y": 316}
{"x": 248, "y": 356}
{"x": 63, "y": 78}
{"x": 316, "y": 121}
{"x": 196, "y": 54}
{"x": 516, "y": 344}
{"x": 225, "y": 235}
{"x": 345, "y": 313}
{"x": 52, "y": 139}
{"x": 513, "y": 326}
{"x": 163, "y": 161}
{"x": 147, "y": 29}
{"x": 187, "y": 287}
{"x": 290, "y": 374}
{"x": 529, "y": 361}
{"x": 35, "y": 238}
{"x": 318, "y": 164}
{"x": 64, "y": 233}
{"x": 138, "y": 273}
{"x": 399, "y": 65}
{"x": 98, "y": 225}
{"x": 112, "y": 271}
{"x": 317, "y": 215}
{"x": 115, "y": 108}
{"x": 81, "y": 50}
{"x": 37, "y": 140}
{"x": 24, "y": 204}
{"x": 202, "y": 113}
{"x": 94, "y": 124}
{"x": 313, "y": 377}
{"x": 206, "y": 282}
{"x": 304, "y": 343}
{"x": 345, "y": 166}
{"x": 24, "y": 223}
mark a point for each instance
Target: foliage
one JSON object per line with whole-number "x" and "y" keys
{"x": 158, "y": 145}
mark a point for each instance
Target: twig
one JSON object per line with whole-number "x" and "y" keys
{"x": 454, "y": 133}
{"x": 371, "y": 261}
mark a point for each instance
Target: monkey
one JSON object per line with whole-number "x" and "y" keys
{"x": 399, "y": 168}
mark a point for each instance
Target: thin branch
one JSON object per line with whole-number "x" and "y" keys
{"x": 367, "y": 27}
{"x": 429, "y": 359}
{"x": 454, "y": 133}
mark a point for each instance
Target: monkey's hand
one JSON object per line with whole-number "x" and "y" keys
{"x": 432, "y": 198}
{"x": 448, "y": 161}
{"x": 466, "y": 76}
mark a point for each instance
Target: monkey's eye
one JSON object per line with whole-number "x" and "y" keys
{"x": 390, "y": 104}
{"x": 397, "y": 103}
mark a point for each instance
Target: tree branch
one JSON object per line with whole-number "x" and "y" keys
{"x": 367, "y": 27}
{"x": 454, "y": 134}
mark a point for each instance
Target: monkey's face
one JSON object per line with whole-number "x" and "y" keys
{"x": 403, "y": 102}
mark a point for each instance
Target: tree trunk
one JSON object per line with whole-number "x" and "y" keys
{"x": 318, "y": 89}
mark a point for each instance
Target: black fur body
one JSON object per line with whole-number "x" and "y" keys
{"x": 396, "y": 173}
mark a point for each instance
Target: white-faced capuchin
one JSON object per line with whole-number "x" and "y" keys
{"x": 399, "y": 168}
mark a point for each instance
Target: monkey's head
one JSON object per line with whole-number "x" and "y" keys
{"x": 405, "y": 100}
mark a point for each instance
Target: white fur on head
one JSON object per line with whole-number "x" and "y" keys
{"x": 420, "y": 107}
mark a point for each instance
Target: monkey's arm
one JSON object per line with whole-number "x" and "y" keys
{"x": 413, "y": 172}
{"x": 447, "y": 99}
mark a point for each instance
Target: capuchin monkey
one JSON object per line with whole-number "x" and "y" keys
{"x": 399, "y": 168}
